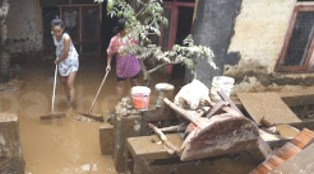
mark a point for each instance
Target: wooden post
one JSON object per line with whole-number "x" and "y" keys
{"x": 11, "y": 156}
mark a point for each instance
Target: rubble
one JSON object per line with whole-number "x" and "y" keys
{"x": 201, "y": 130}
{"x": 216, "y": 135}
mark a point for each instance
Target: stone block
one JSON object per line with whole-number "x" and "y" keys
{"x": 106, "y": 138}
{"x": 11, "y": 155}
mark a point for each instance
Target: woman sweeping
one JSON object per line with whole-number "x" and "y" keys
{"x": 67, "y": 59}
{"x": 128, "y": 66}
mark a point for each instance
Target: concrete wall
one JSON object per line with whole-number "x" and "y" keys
{"x": 214, "y": 28}
{"x": 25, "y": 26}
{"x": 260, "y": 30}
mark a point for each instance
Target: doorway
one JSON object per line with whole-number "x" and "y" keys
{"x": 83, "y": 24}
{"x": 180, "y": 15}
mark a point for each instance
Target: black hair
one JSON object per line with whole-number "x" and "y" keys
{"x": 57, "y": 22}
{"x": 120, "y": 26}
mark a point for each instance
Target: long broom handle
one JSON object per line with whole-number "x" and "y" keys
{"x": 53, "y": 100}
{"x": 98, "y": 92}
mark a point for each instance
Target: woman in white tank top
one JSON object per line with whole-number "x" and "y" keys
{"x": 67, "y": 59}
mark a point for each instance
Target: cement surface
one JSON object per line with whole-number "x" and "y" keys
{"x": 268, "y": 106}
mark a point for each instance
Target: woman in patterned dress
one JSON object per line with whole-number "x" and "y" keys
{"x": 67, "y": 59}
{"x": 128, "y": 66}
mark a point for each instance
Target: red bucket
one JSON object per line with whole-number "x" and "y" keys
{"x": 140, "y": 97}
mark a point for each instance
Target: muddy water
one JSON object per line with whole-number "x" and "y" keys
{"x": 63, "y": 146}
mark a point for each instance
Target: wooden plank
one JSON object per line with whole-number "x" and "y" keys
{"x": 150, "y": 147}
{"x": 303, "y": 162}
{"x": 268, "y": 106}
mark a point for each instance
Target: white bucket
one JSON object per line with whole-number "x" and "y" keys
{"x": 140, "y": 97}
{"x": 223, "y": 83}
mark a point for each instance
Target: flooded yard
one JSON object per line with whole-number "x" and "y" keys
{"x": 61, "y": 146}
{"x": 66, "y": 145}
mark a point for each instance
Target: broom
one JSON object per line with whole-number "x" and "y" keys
{"x": 90, "y": 113}
{"x": 53, "y": 114}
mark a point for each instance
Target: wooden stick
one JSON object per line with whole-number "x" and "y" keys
{"x": 227, "y": 99}
{"x": 218, "y": 106}
{"x": 171, "y": 149}
{"x": 176, "y": 128}
{"x": 232, "y": 110}
{"x": 98, "y": 92}
{"x": 196, "y": 120}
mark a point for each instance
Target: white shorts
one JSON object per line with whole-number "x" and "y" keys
{"x": 68, "y": 66}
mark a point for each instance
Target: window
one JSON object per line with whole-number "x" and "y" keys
{"x": 297, "y": 52}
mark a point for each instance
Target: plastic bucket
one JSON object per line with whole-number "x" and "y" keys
{"x": 164, "y": 86}
{"x": 223, "y": 83}
{"x": 140, "y": 97}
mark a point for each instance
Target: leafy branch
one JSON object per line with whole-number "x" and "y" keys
{"x": 144, "y": 24}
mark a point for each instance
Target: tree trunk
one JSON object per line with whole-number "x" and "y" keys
{"x": 4, "y": 55}
{"x": 214, "y": 28}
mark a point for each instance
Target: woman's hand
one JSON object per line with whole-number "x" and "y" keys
{"x": 108, "y": 68}
{"x": 57, "y": 61}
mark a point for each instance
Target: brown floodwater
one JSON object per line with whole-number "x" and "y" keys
{"x": 61, "y": 146}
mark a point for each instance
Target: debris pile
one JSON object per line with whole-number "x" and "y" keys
{"x": 191, "y": 127}
{"x": 210, "y": 129}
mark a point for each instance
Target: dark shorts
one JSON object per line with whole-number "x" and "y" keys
{"x": 132, "y": 78}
